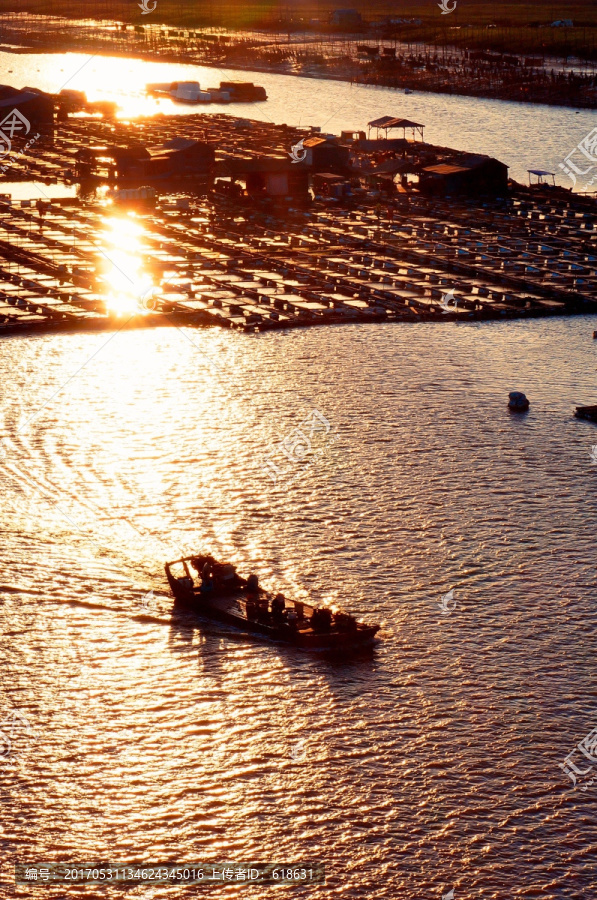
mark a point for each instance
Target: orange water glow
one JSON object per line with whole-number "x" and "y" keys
{"x": 130, "y": 289}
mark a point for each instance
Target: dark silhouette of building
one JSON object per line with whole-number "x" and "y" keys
{"x": 472, "y": 175}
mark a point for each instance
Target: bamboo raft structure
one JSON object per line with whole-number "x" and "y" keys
{"x": 214, "y": 261}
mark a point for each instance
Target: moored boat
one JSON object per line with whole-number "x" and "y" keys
{"x": 216, "y": 591}
{"x": 517, "y": 401}
{"x": 190, "y": 93}
{"x": 586, "y": 412}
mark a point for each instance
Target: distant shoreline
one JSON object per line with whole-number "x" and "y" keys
{"x": 415, "y": 80}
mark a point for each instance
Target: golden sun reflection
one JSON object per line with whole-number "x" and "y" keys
{"x": 129, "y": 289}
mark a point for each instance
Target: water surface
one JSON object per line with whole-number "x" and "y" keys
{"x": 522, "y": 135}
{"x": 431, "y": 764}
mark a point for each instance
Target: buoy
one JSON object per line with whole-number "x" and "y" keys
{"x": 518, "y": 401}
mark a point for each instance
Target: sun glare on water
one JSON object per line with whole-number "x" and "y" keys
{"x": 129, "y": 289}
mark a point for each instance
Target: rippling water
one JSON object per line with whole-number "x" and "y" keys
{"x": 521, "y": 135}
{"x": 431, "y": 764}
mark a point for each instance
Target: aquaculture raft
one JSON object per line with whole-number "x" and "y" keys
{"x": 216, "y": 260}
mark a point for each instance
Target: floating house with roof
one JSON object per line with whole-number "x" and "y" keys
{"x": 35, "y": 106}
{"x": 472, "y": 174}
{"x": 326, "y": 154}
{"x": 175, "y": 159}
{"x": 265, "y": 176}
{"x": 390, "y": 123}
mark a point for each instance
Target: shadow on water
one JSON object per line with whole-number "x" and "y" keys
{"x": 217, "y": 641}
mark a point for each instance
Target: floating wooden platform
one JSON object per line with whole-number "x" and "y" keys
{"x": 216, "y": 261}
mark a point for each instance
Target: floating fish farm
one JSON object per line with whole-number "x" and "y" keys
{"x": 206, "y": 252}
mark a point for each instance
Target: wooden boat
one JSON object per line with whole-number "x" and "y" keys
{"x": 586, "y": 412}
{"x": 190, "y": 93}
{"x": 218, "y": 592}
{"x": 517, "y": 401}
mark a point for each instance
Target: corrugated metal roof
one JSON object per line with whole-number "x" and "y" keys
{"x": 381, "y": 122}
{"x": 314, "y": 141}
{"x": 463, "y": 164}
{"x": 445, "y": 169}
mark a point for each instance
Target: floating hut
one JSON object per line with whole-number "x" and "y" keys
{"x": 475, "y": 175}
{"x": 387, "y": 123}
{"x": 542, "y": 176}
{"x": 36, "y": 106}
{"x": 329, "y": 184}
{"x": 326, "y": 154}
{"x": 267, "y": 177}
{"x": 178, "y": 158}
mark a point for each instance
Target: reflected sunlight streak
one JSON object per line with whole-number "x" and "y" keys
{"x": 130, "y": 289}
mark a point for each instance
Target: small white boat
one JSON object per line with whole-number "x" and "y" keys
{"x": 181, "y": 91}
{"x": 219, "y": 96}
{"x": 190, "y": 92}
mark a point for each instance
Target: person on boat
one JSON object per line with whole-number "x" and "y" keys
{"x": 321, "y": 620}
{"x": 207, "y": 583}
{"x": 186, "y": 582}
{"x": 252, "y": 609}
{"x": 278, "y": 606}
{"x": 252, "y": 584}
{"x": 225, "y": 577}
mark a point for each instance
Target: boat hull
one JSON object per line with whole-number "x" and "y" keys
{"x": 231, "y": 609}
{"x": 586, "y": 412}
